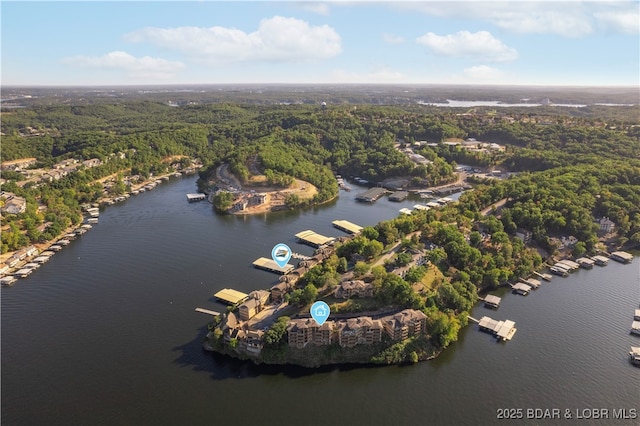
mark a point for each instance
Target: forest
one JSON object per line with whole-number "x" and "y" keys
{"x": 568, "y": 168}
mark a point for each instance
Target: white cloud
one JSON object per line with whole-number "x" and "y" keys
{"x": 315, "y": 7}
{"x": 392, "y": 39}
{"x": 627, "y": 22}
{"x": 480, "y": 45}
{"x": 277, "y": 39}
{"x": 144, "y": 67}
{"x": 565, "y": 18}
{"x": 483, "y": 74}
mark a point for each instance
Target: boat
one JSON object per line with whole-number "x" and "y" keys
{"x": 635, "y": 328}
{"x": 634, "y": 355}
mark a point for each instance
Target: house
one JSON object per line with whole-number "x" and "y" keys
{"x": 65, "y": 163}
{"x": 257, "y": 199}
{"x": 254, "y": 304}
{"x": 352, "y": 288}
{"x": 93, "y": 162}
{"x": 20, "y": 164}
{"x": 606, "y": 225}
{"x": 14, "y": 205}
{"x": 240, "y": 205}
{"x": 279, "y": 290}
{"x": 404, "y": 324}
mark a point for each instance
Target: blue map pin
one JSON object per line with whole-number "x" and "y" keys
{"x": 320, "y": 312}
{"x": 281, "y": 253}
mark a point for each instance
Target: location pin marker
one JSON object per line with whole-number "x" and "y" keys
{"x": 320, "y": 312}
{"x": 281, "y": 253}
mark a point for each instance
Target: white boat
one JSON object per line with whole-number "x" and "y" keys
{"x": 635, "y": 328}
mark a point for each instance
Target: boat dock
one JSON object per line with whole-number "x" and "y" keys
{"x": 371, "y": 195}
{"x": 557, "y": 270}
{"x": 503, "y": 330}
{"x": 600, "y": 260}
{"x": 207, "y": 311}
{"x": 398, "y": 196}
{"x": 196, "y": 197}
{"x": 230, "y": 296}
{"x": 271, "y": 266}
{"x": 532, "y": 282}
{"x": 571, "y": 266}
{"x": 585, "y": 262}
{"x": 491, "y": 301}
{"x": 346, "y": 226}
{"x": 622, "y": 256}
{"x": 313, "y": 239}
{"x": 521, "y": 288}
{"x": 546, "y": 277}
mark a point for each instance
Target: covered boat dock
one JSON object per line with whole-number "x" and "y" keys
{"x": 231, "y": 296}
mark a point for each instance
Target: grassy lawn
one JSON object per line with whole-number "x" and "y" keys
{"x": 429, "y": 280}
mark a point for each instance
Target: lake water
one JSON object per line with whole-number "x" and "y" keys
{"x": 106, "y": 334}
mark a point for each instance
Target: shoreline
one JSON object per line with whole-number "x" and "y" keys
{"x": 103, "y": 201}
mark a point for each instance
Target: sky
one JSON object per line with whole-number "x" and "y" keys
{"x": 575, "y": 43}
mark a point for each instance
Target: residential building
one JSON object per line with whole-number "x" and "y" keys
{"x": 348, "y": 289}
{"x": 360, "y": 330}
{"x": 254, "y": 304}
{"x": 606, "y": 225}
{"x": 405, "y": 324}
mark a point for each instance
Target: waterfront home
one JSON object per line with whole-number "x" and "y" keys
{"x": 254, "y": 304}
{"x": 606, "y": 225}
{"x": 404, "y": 324}
{"x": 279, "y": 290}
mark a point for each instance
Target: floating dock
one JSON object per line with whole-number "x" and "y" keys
{"x": 491, "y": 301}
{"x": 546, "y": 277}
{"x": 398, "y": 196}
{"x": 600, "y": 260}
{"x": 532, "y": 282}
{"x": 585, "y": 262}
{"x": 313, "y": 239}
{"x": 421, "y": 207}
{"x": 521, "y": 288}
{"x": 346, "y": 226}
{"x": 271, "y": 266}
{"x": 558, "y": 271}
{"x": 207, "y": 311}
{"x": 622, "y": 256}
{"x": 571, "y": 265}
{"x": 196, "y": 197}
{"x": 230, "y": 296}
{"x": 371, "y": 195}
{"x": 503, "y": 330}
